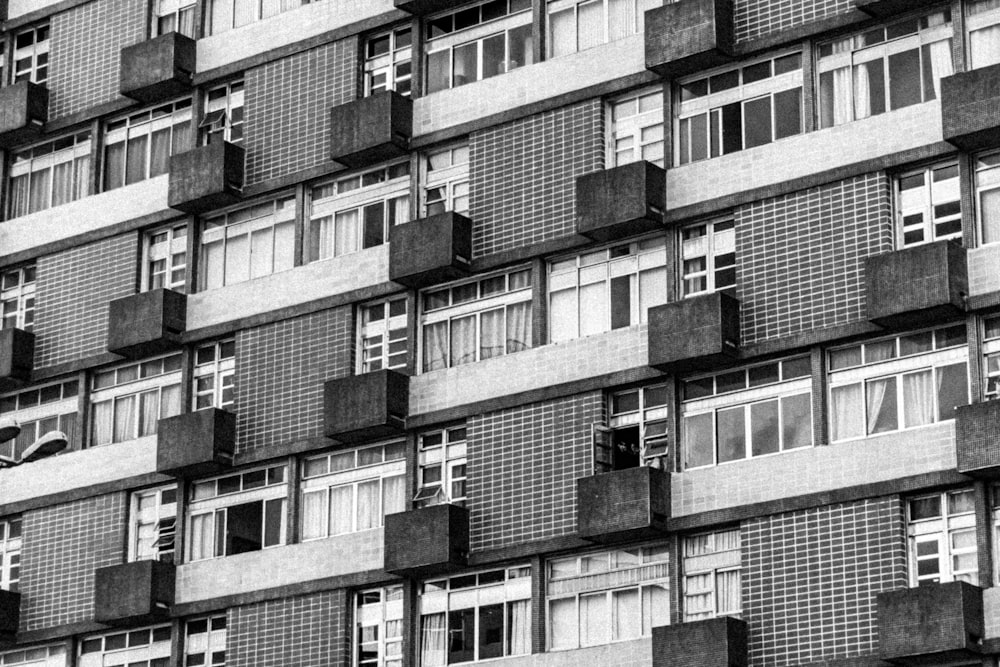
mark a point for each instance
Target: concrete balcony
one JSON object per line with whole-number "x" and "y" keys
{"x": 134, "y": 593}
{"x": 197, "y": 443}
{"x": 430, "y": 250}
{"x": 689, "y": 36}
{"x": 970, "y": 108}
{"x": 17, "y": 358}
{"x": 24, "y": 109}
{"x": 147, "y": 323}
{"x": 366, "y": 407}
{"x": 714, "y": 642}
{"x": 931, "y": 624}
{"x": 883, "y": 9}
{"x": 10, "y": 615}
{"x": 697, "y": 333}
{"x": 623, "y": 505}
{"x": 977, "y": 439}
{"x": 427, "y": 541}
{"x": 624, "y": 201}
{"x": 206, "y": 178}
{"x": 371, "y": 129}
{"x": 913, "y": 286}
{"x": 422, "y": 7}
{"x": 157, "y": 69}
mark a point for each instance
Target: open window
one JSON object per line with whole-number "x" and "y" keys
{"x": 637, "y": 431}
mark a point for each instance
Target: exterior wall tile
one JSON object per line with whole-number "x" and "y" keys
{"x": 756, "y": 18}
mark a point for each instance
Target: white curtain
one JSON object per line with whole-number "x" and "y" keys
{"x": 237, "y": 253}
{"x": 222, "y": 16}
{"x": 159, "y": 159}
{"x": 19, "y": 195}
{"x": 518, "y": 327}
{"x": 620, "y": 19}
{"x": 393, "y": 494}
{"x": 520, "y": 627}
{"x": 39, "y": 190}
{"x": 81, "y": 170}
{"x": 594, "y": 623}
{"x": 847, "y": 412}
{"x": 369, "y": 515}
{"x": 562, "y": 26}
{"x": 652, "y": 290}
{"x": 149, "y": 412}
{"x": 261, "y": 252}
{"x": 313, "y": 515}
{"x": 346, "y": 233}
{"x": 563, "y": 315}
{"x": 62, "y": 183}
{"x": 433, "y": 638}
{"x": 989, "y": 209}
{"x": 940, "y": 56}
{"x": 399, "y": 210}
{"x": 124, "y": 418}
{"x": 590, "y": 24}
{"x": 201, "y": 536}
{"x": 104, "y": 421}
{"x": 626, "y": 619}
{"x": 655, "y": 607}
{"x": 213, "y": 256}
{"x": 563, "y": 623}
{"x": 985, "y": 46}
{"x": 697, "y": 595}
{"x": 727, "y": 592}
{"x": 435, "y": 346}
{"x": 245, "y": 12}
{"x": 491, "y": 334}
{"x": 918, "y": 398}
{"x": 594, "y": 308}
{"x": 321, "y": 237}
{"x": 341, "y": 509}
{"x": 862, "y": 91}
{"x": 284, "y": 246}
{"x": 876, "y": 399}
{"x": 463, "y": 340}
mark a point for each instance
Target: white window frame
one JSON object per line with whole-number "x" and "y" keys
{"x": 173, "y": 16}
{"x": 224, "y": 113}
{"x": 152, "y": 524}
{"x": 172, "y": 117}
{"x": 135, "y": 651}
{"x": 650, "y": 417}
{"x": 395, "y": 65}
{"x": 719, "y": 557}
{"x": 36, "y": 656}
{"x": 446, "y": 181}
{"x": 10, "y": 553}
{"x": 70, "y": 155}
{"x": 941, "y": 531}
{"x": 383, "y": 334}
{"x": 274, "y": 218}
{"x": 128, "y": 386}
{"x": 384, "y": 620}
{"x": 30, "y": 62}
{"x": 982, "y": 22}
{"x": 636, "y": 124}
{"x": 637, "y": 10}
{"x": 225, "y": 15}
{"x": 924, "y": 203}
{"x": 991, "y": 358}
{"x": 214, "y": 375}
{"x": 987, "y": 184}
{"x": 441, "y": 473}
{"x": 17, "y": 298}
{"x": 208, "y": 645}
{"x": 164, "y": 258}
{"x": 40, "y": 410}
{"x": 714, "y": 247}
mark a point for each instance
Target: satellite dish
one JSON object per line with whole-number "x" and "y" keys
{"x": 51, "y": 443}
{"x": 9, "y": 429}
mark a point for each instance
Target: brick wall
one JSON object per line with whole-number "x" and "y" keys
{"x": 85, "y": 52}
{"x": 755, "y": 18}
{"x": 801, "y": 256}
{"x": 73, "y": 291}
{"x": 523, "y": 464}
{"x": 63, "y": 545}
{"x": 307, "y": 631}
{"x": 288, "y": 108}
{"x": 810, "y": 579}
{"x": 523, "y": 176}
{"x": 280, "y": 371}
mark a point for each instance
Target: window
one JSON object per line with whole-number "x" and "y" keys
{"x": 128, "y": 401}
{"x": 153, "y": 524}
{"x": 148, "y": 647}
{"x": 763, "y": 409}
{"x": 988, "y": 196}
{"x": 382, "y": 335}
{"x": 708, "y": 257}
{"x": 475, "y": 617}
{"x": 351, "y": 491}
{"x": 740, "y": 108}
{"x": 50, "y": 174}
{"x": 897, "y": 383}
{"x": 223, "y": 114}
{"x": 447, "y": 183}
{"x": 606, "y": 289}
{"x": 442, "y": 467}
{"x": 17, "y": 298}
{"x": 387, "y": 61}
{"x": 205, "y": 642}
{"x": 357, "y": 212}
{"x": 884, "y": 68}
{"x": 608, "y": 596}
{"x": 929, "y": 205}
{"x": 39, "y": 656}
{"x": 477, "y": 43}
{"x": 215, "y": 374}
{"x": 174, "y": 16}
{"x": 476, "y": 320}
{"x": 994, "y": 492}
{"x": 575, "y": 25}
{"x": 378, "y": 626}
{"x": 225, "y": 15}
{"x": 712, "y": 575}
{"x": 164, "y": 253}
{"x": 983, "y": 23}
{"x": 41, "y": 410}
{"x": 139, "y": 146}
{"x": 237, "y": 513}
{"x": 638, "y": 430}
{"x": 991, "y": 348}
{"x": 637, "y": 128}
{"x": 248, "y": 243}
{"x": 10, "y": 553}
{"x": 31, "y": 54}
{"x": 941, "y": 531}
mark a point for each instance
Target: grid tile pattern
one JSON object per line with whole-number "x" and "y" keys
{"x": 63, "y": 545}
{"x": 74, "y": 288}
{"x": 523, "y": 176}
{"x": 810, "y": 579}
{"x": 755, "y": 18}
{"x": 801, "y": 256}
{"x": 288, "y": 108}
{"x": 523, "y": 466}
{"x": 280, "y": 371}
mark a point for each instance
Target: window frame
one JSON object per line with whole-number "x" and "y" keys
{"x": 927, "y": 208}
{"x": 651, "y": 416}
{"x": 171, "y": 251}
{"x": 713, "y": 255}
{"x": 181, "y": 14}
{"x": 11, "y": 543}
{"x": 378, "y": 341}
{"x": 58, "y": 401}
{"x": 976, "y": 21}
{"x": 632, "y": 128}
{"x": 637, "y": 10}
{"x": 223, "y": 117}
{"x": 163, "y": 519}
{"x": 40, "y": 161}
{"x": 195, "y": 646}
{"x": 220, "y": 370}
{"x": 37, "y": 53}
{"x": 36, "y": 656}
{"x": 388, "y": 64}
{"x": 174, "y": 117}
{"x": 943, "y": 528}
{"x": 254, "y": 218}
{"x": 712, "y": 563}
{"x": 388, "y": 610}
{"x": 153, "y": 651}
{"x": 448, "y": 456}
{"x": 132, "y": 390}
{"x": 19, "y": 291}
{"x": 447, "y": 186}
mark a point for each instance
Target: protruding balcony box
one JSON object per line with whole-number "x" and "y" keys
{"x": 698, "y": 333}
{"x": 17, "y": 357}
{"x": 427, "y": 541}
{"x": 714, "y": 642}
{"x": 970, "y": 108}
{"x": 24, "y": 108}
{"x": 197, "y": 443}
{"x": 623, "y": 504}
{"x": 977, "y": 439}
{"x": 431, "y": 250}
{"x": 157, "y": 69}
{"x": 10, "y": 615}
{"x": 366, "y": 407}
{"x": 913, "y": 286}
{"x": 147, "y": 323}
{"x": 621, "y": 202}
{"x": 422, "y": 7}
{"x": 134, "y": 593}
{"x": 886, "y": 8}
{"x": 371, "y": 129}
{"x": 206, "y": 178}
{"x": 689, "y": 36}
{"x": 931, "y": 624}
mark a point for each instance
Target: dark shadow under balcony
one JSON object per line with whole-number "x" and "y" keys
{"x": 134, "y": 593}
{"x": 427, "y": 541}
{"x": 713, "y": 642}
{"x": 422, "y": 7}
{"x": 931, "y": 624}
{"x": 430, "y": 250}
{"x": 371, "y": 129}
{"x": 914, "y": 286}
{"x": 697, "y": 333}
{"x": 624, "y": 201}
{"x": 970, "y": 108}
{"x": 197, "y": 443}
{"x": 148, "y": 323}
{"x": 689, "y": 36}
{"x": 883, "y": 9}
{"x": 157, "y": 69}
{"x": 370, "y": 406}
{"x": 24, "y": 109}
{"x": 206, "y": 178}
{"x": 623, "y": 505}
{"x": 17, "y": 358}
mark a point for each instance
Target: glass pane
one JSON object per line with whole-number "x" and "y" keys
{"x": 881, "y": 403}
{"x": 731, "y": 432}
{"x": 764, "y": 427}
{"x": 952, "y": 390}
{"x": 698, "y": 440}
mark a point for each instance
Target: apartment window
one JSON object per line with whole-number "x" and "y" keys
{"x": 712, "y": 575}
{"x": 215, "y": 375}
{"x": 223, "y": 118}
{"x": 982, "y": 20}
{"x": 754, "y": 411}
{"x": 575, "y": 25}
{"x": 476, "y": 320}
{"x": 164, "y": 258}
{"x": 608, "y": 596}
{"x": 447, "y": 182}
{"x": 139, "y": 146}
{"x": 17, "y": 298}
{"x": 708, "y": 257}
{"x": 128, "y": 401}
{"x": 740, "y": 108}
{"x": 475, "y": 617}
{"x": 929, "y": 205}
{"x": 884, "y": 68}
{"x": 148, "y": 647}
{"x": 225, "y": 15}
{"x": 378, "y": 627}
{"x": 941, "y": 530}
{"x": 606, "y": 289}
{"x": 248, "y": 243}
{"x": 38, "y": 656}
{"x": 382, "y": 334}
{"x": 995, "y": 511}
{"x": 347, "y": 492}
{"x": 637, "y": 128}
{"x": 355, "y": 213}
{"x": 897, "y": 383}
{"x": 50, "y": 174}
{"x": 174, "y": 16}
{"x": 387, "y": 61}
{"x": 442, "y": 475}
{"x": 41, "y": 410}
{"x": 638, "y": 420}
{"x": 991, "y": 350}
{"x": 237, "y": 513}
{"x": 988, "y": 196}
{"x": 205, "y": 642}
{"x": 477, "y": 43}
{"x": 31, "y": 54}
{"x": 153, "y": 524}
{"x": 10, "y": 553}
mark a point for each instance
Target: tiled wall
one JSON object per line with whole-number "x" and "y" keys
{"x": 755, "y": 18}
